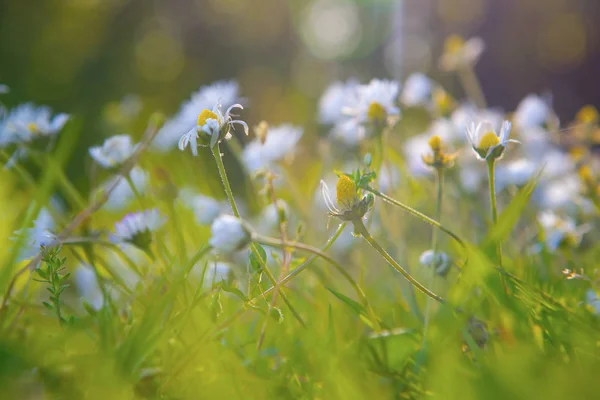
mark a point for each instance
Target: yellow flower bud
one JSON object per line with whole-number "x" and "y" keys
{"x": 435, "y": 142}
{"x": 345, "y": 191}
{"x": 377, "y": 112}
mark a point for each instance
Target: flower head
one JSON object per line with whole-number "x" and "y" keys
{"x": 335, "y": 99}
{"x": 212, "y": 127}
{"x": 27, "y": 122}
{"x": 136, "y": 228}
{"x": 487, "y": 144}
{"x": 459, "y": 53}
{"x": 437, "y": 157}
{"x": 533, "y": 111}
{"x": 39, "y": 235}
{"x": 229, "y": 234}
{"x": 114, "y": 152}
{"x": 350, "y": 206}
{"x": 560, "y": 232}
{"x": 587, "y": 115}
{"x": 440, "y": 261}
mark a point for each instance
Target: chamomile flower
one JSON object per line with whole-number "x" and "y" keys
{"x": 417, "y": 90}
{"x": 440, "y": 261}
{"x": 212, "y": 127}
{"x": 533, "y": 111}
{"x": 335, "y": 99}
{"x": 561, "y": 231}
{"x": 223, "y": 92}
{"x": 486, "y": 143}
{"x": 278, "y": 144}
{"x": 349, "y": 206}
{"x": 375, "y": 103}
{"x": 27, "y": 122}
{"x": 436, "y": 156}
{"x": 459, "y": 53}
{"x": 229, "y": 234}
{"x": 114, "y": 152}
{"x": 41, "y": 234}
{"x": 136, "y": 228}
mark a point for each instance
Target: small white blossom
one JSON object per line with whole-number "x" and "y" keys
{"x": 279, "y": 143}
{"x": 417, "y": 90}
{"x": 558, "y": 230}
{"x": 532, "y": 111}
{"x": 26, "y": 122}
{"x": 86, "y": 283}
{"x": 229, "y": 234}
{"x": 440, "y": 261}
{"x": 39, "y": 235}
{"x": 136, "y": 228}
{"x": 517, "y": 172}
{"x": 122, "y": 195}
{"x": 223, "y": 92}
{"x": 335, "y": 99}
{"x": 486, "y": 142}
{"x": 212, "y": 126}
{"x": 205, "y": 208}
{"x": 114, "y": 152}
{"x": 459, "y": 53}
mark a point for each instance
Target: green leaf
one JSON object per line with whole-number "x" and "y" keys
{"x": 276, "y": 314}
{"x": 254, "y": 262}
{"x": 356, "y": 307}
{"x": 233, "y": 290}
{"x": 48, "y": 306}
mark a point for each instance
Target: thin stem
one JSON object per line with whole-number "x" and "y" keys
{"x": 415, "y": 213}
{"x": 223, "y": 174}
{"x": 492, "y": 179}
{"x": 359, "y": 227}
{"x": 301, "y": 246}
{"x": 136, "y": 193}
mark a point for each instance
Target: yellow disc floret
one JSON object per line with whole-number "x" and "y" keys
{"x": 346, "y": 191}
{"x": 376, "y": 112}
{"x": 488, "y": 140}
{"x": 204, "y": 115}
{"x": 32, "y": 127}
{"x": 587, "y": 115}
{"x": 585, "y": 173}
{"x": 435, "y": 142}
{"x": 454, "y": 44}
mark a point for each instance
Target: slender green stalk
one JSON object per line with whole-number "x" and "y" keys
{"x": 136, "y": 192}
{"x": 434, "y": 244}
{"x": 359, "y": 227}
{"x": 492, "y": 179}
{"x": 301, "y": 246}
{"x": 216, "y": 151}
{"x": 415, "y": 213}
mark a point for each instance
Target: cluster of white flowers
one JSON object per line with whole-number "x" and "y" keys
{"x": 114, "y": 152}
{"x": 279, "y": 143}
{"x": 26, "y": 122}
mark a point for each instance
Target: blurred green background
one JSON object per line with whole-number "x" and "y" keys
{"x": 78, "y": 56}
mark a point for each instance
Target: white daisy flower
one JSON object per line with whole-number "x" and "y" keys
{"x": 559, "y": 194}
{"x": 459, "y": 53}
{"x": 136, "y": 228}
{"x": 335, "y": 99}
{"x": 27, "y": 122}
{"x": 229, "y": 234}
{"x": 212, "y": 127}
{"x": 279, "y": 143}
{"x": 205, "y": 208}
{"x": 122, "y": 195}
{"x": 223, "y": 92}
{"x": 561, "y": 230}
{"x": 440, "y": 261}
{"x": 39, "y": 235}
{"x": 486, "y": 143}
{"x": 533, "y": 111}
{"x": 466, "y": 114}
{"x": 417, "y": 90}
{"x": 87, "y": 286}
{"x": 593, "y": 301}
{"x": 114, "y": 152}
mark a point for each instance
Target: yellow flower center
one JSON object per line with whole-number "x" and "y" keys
{"x": 376, "y": 112}
{"x": 435, "y": 142}
{"x": 345, "y": 190}
{"x": 578, "y": 152}
{"x": 32, "y": 127}
{"x": 585, "y": 173}
{"x": 454, "y": 44}
{"x": 204, "y": 115}
{"x": 442, "y": 100}
{"x": 488, "y": 140}
{"x": 587, "y": 115}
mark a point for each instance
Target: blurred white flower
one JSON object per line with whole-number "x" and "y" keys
{"x": 212, "y": 126}
{"x": 516, "y": 172}
{"x": 280, "y": 142}
{"x": 4, "y": 88}
{"x": 592, "y": 300}
{"x": 459, "y": 53}
{"x": 223, "y": 92}
{"x": 229, "y": 234}
{"x": 560, "y": 194}
{"x": 440, "y": 261}
{"x": 87, "y": 286}
{"x": 417, "y": 90}
{"x": 216, "y": 272}
{"x": 136, "y": 228}
{"x": 559, "y": 230}
{"x": 536, "y": 143}
{"x": 39, "y": 235}
{"x": 464, "y": 115}
{"x": 268, "y": 221}
{"x": 532, "y": 111}
{"x": 26, "y": 122}
{"x": 414, "y": 148}
{"x": 122, "y": 195}
{"x": 205, "y": 208}
{"x": 486, "y": 142}
{"x": 335, "y": 98}
{"x": 114, "y": 152}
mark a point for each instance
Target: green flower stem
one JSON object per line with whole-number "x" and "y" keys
{"x": 492, "y": 178}
{"x": 471, "y": 85}
{"x": 197, "y": 257}
{"x": 434, "y": 244}
{"x": 216, "y": 151}
{"x": 415, "y": 213}
{"x": 137, "y": 194}
{"x": 360, "y": 228}
{"x": 301, "y": 246}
